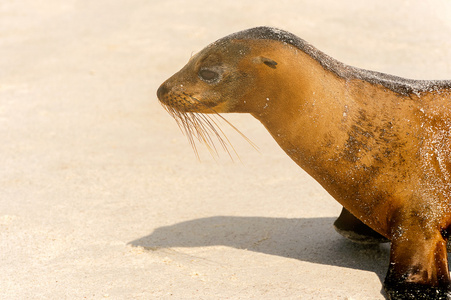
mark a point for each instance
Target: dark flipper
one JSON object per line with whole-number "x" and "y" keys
{"x": 353, "y": 229}
{"x": 418, "y": 266}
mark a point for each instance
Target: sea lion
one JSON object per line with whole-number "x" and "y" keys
{"x": 379, "y": 144}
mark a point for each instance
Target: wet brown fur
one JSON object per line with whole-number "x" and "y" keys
{"x": 379, "y": 144}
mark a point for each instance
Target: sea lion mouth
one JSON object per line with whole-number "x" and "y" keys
{"x": 198, "y": 120}
{"x": 181, "y": 101}
{"x": 178, "y": 98}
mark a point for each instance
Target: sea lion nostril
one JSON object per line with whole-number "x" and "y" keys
{"x": 162, "y": 90}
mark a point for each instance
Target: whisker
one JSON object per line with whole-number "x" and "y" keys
{"x": 203, "y": 127}
{"x": 201, "y": 133}
{"x": 184, "y": 126}
{"x": 224, "y": 143}
{"x": 204, "y": 132}
{"x": 239, "y": 132}
{"x": 225, "y": 120}
{"x": 186, "y": 119}
{"x": 210, "y": 124}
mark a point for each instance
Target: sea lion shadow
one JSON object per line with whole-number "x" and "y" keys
{"x": 307, "y": 239}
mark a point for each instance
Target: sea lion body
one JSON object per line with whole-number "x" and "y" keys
{"x": 379, "y": 144}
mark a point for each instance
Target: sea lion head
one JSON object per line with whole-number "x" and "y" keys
{"x": 230, "y": 75}
{"x": 218, "y": 79}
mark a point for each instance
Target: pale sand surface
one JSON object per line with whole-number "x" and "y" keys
{"x": 102, "y": 197}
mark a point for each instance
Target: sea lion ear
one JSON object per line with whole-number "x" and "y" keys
{"x": 267, "y": 61}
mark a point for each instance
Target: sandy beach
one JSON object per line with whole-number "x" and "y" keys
{"x": 102, "y": 197}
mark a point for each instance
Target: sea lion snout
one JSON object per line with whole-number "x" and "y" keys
{"x": 162, "y": 91}
{"x": 171, "y": 95}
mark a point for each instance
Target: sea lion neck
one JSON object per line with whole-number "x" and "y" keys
{"x": 314, "y": 100}
{"x": 340, "y": 131}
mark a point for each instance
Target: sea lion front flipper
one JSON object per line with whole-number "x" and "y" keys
{"x": 418, "y": 266}
{"x": 353, "y": 229}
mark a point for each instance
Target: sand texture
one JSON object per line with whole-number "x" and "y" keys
{"x": 102, "y": 197}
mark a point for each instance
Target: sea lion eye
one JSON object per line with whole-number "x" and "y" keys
{"x": 208, "y": 75}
